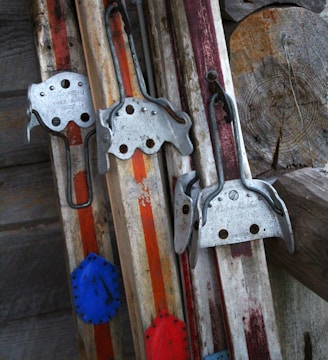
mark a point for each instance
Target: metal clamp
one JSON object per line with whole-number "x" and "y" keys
{"x": 228, "y": 212}
{"x": 144, "y": 123}
{"x": 63, "y": 98}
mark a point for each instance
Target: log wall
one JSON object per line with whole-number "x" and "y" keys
{"x": 35, "y": 311}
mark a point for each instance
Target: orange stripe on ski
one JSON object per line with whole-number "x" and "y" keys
{"x": 148, "y": 225}
{"x": 140, "y": 173}
{"x": 73, "y": 133}
{"x": 57, "y": 21}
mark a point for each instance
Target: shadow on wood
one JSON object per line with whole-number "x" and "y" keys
{"x": 305, "y": 193}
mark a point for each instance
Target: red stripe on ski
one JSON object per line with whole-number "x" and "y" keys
{"x": 57, "y": 21}
{"x": 190, "y": 306}
{"x": 140, "y": 173}
{"x": 86, "y": 219}
{"x": 73, "y": 133}
{"x": 104, "y": 347}
{"x": 257, "y": 345}
{"x": 117, "y": 32}
{"x": 154, "y": 260}
{"x": 207, "y": 57}
{"x": 59, "y": 37}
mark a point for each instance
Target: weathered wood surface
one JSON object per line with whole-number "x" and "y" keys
{"x": 17, "y": 56}
{"x": 200, "y": 285}
{"x": 47, "y": 336}
{"x": 26, "y": 196}
{"x": 14, "y": 150}
{"x": 136, "y": 188}
{"x": 59, "y": 48}
{"x": 236, "y": 10}
{"x": 29, "y": 286}
{"x": 301, "y": 316}
{"x": 305, "y": 193}
{"x": 279, "y": 65}
{"x": 35, "y": 310}
{"x": 246, "y": 294}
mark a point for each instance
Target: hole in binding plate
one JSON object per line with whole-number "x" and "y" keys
{"x": 185, "y": 209}
{"x": 129, "y": 109}
{"x": 254, "y": 229}
{"x": 55, "y": 121}
{"x": 123, "y": 149}
{"x": 150, "y": 143}
{"x": 223, "y": 234}
{"x": 65, "y": 84}
{"x": 85, "y": 117}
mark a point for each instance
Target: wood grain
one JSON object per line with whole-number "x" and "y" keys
{"x": 26, "y": 196}
{"x": 242, "y": 274}
{"x": 200, "y": 285}
{"x": 33, "y": 272}
{"x": 44, "y": 337}
{"x": 59, "y": 48}
{"x": 301, "y": 315}
{"x": 14, "y": 150}
{"x": 237, "y": 10}
{"x": 17, "y": 56}
{"x": 136, "y": 188}
{"x": 305, "y": 193}
{"x": 279, "y": 65}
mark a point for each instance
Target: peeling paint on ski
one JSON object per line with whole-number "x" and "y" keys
{"x": 136, "y": 188}
{"x": 58, "y": 48}
{"x": 242, "y": 272}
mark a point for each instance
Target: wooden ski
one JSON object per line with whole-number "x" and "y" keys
{"x": 135, "y": 180}
{"x": 84, "y": 207}
{"x": 200, "y": 285}
{"x": 200, "y": 52}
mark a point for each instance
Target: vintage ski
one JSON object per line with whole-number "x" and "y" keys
{"x": 131, "y": 128}
{"x": 205, "y": 82}
{"x": 200, "y": 285}
{"x": 62, "y": 104}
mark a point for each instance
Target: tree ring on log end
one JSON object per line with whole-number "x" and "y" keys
{"x": 281, "y": 85}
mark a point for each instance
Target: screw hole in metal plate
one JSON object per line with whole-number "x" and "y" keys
{"x": 55, "y": 121}
{"x": 123, "y": 149}
{"x": 129, "y": 109}
{"x": 223, "y": 234}
{"x": 150, "y": 143}
{"x": 65, "y": 83}
{"x": 185, "y": 209}
{"x": 254, "y": 229}
{"x": 85, "y": 117}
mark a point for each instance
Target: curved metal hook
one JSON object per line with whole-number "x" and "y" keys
{"x": 159, "y": 101}
{"x": 69, "y": 188}
{"x": 228, "y": 106}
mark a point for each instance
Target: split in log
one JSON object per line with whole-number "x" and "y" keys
{"x": 279, "y": 66}
{"x": 305, "y": 193}
{"x": 237, "y": 10}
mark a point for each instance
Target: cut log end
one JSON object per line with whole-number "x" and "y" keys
{"x": 305, "y": 193}
{"x": 279, "y": 68}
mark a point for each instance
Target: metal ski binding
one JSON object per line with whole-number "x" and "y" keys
{"x": 144, "y": 123}
{"x": 63, "y": 98}
{"x": 228, "y": 212}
